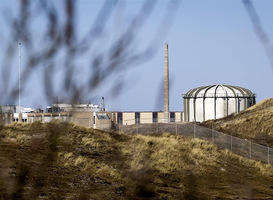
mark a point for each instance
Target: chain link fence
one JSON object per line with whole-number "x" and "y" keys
{"x": 237, "y": 145}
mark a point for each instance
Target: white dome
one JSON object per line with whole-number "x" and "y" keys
{"x": 216, "y": 101}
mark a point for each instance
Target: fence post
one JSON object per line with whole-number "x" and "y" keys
{"x": 194, "y": 130}
{"x": 231, "y": 143}
{"x": 119, "y": 126}
{"x": 249, "y": 149}
{"x": 268, "y": 155}
{"x": 212, "y": 134}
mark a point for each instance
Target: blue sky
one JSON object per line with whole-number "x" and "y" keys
{"x": 210, "y": 41}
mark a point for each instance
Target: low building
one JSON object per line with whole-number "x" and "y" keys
{"x": 97, "y": 120}
{"x": 129, "y": 118}
{"x": 88, "y": 115}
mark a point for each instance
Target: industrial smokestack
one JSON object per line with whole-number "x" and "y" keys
{"x": 166, "y": 86}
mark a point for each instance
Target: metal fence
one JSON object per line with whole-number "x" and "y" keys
{"x": 237, "y": 145}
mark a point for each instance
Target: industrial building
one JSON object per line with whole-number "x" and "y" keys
{"x": 200, "y": 104}
{"x": 98, "y": 120}
{"x": 95, "y": 116}
{"x": 216, "y": 101}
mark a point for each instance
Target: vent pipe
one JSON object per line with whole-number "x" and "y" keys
{"x": 102, "y": 104}
{"x": 166, "y": 86}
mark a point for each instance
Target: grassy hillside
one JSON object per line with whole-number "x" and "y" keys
{"x": 63, "y": 161}
{"x": 254, "y": 123}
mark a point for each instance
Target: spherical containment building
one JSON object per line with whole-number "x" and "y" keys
{"x": 215, "y": 101}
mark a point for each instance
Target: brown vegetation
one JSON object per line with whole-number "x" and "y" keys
{"x": 64, "y": 161}
{"x": 254, "y": 123}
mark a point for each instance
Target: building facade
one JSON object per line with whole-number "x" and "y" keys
{"x": 129, "y": 118}
{"x": 97, "y": 120}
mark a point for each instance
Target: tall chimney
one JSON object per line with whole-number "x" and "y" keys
{"x": 166, "y": 86}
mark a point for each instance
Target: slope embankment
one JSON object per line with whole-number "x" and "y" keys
{"x": 254, "y": 123}
{"x": 63, "y": 161}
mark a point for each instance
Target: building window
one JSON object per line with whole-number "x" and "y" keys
{"x": 55, "y": 117}
{"x": 47, "y": 118}
{"x": 172, "y": 117}
{"x": 137, "y": 117}
{"x": 102, "y": 116}
{"x": 64, "y": 118}
{"x": 31, "y": 119}
{"x": 120, "y": 117}
{"x": 155, "y": 117}
{"x": 39, "y": 118}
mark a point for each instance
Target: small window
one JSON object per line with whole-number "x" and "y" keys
{"x": 39, "y": 118}
{"x": 102, "y": 116}
{"x": 56, "y": 117}
{"x": 64, "y": 118}
{"x": 172, "y": 117}
{"x": 137, "y": 117}
{"x": 47, "y": 118}
{"x": 120, "y": 117}
{"x": 155, "y": 117}
{"x": 31, "y": 119}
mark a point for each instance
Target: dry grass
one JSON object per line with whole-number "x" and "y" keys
{"x": 264, "y": 169}
{"x": 255, "y": 123}
{"x": 168, "y": 154}
{"x": 72, "y": 162}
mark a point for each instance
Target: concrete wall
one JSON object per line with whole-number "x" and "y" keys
{"x": 128, "y": 118}
{"x": 160, "y": 117}
{"x": 47, "y": 117}
{"x": 146, "y": 117}
{"x": 6, "y": 118}
{"x": 178, "y": 117}
{"x": 83, "y": 119}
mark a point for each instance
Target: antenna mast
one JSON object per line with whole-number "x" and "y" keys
{"x": 19, "y": 50}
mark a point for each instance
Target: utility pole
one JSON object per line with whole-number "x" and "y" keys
{"x": 166, "y": 86}
{"x": 19, "y": 50}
